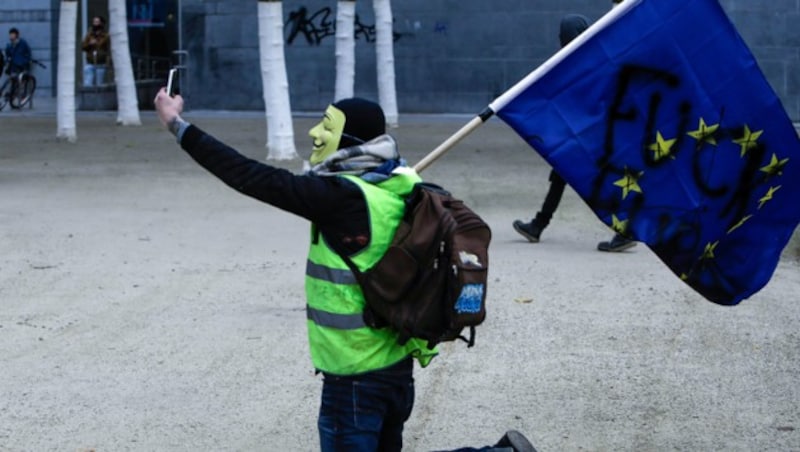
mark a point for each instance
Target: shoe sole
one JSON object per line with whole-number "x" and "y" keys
{"x": 617, "y": 249}
{"x": 521, "y": 232}
{"x": 517, "y": 441}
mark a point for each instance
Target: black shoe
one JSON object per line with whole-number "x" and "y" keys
{"x": 617, "y": 244}
{"x": 516, "y": 441}
{"x": 530, "y": 231}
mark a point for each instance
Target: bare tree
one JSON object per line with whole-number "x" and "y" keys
{"x": 345, "y": 49}
{"x": 127, "y": 102}
{"x": 384, "y": 52}
{"x": 280, "y": 130}
{"x": 65, "y": 97}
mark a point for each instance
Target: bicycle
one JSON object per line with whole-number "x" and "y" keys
{"x": 18, "y": 89}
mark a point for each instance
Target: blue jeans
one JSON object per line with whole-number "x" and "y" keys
{"x": 366, "y": 412}
{"x": 94, "y": 74}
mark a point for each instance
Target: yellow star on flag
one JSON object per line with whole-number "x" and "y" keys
{"x": 705, "y": 133}
{"x": 768, "y": 196}
{"x": 629, "y": 183}
{"x": 748, "y": 140}
{"x": 739, "y": 224}
{"x": 775, "y": 166}
{"x": 662, "y": 147}
{"x": 708, "y": 253}
{"x": 618, "y": 225}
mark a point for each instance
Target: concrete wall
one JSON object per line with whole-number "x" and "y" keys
{"x": 451, "y": 55}
{"x": 772, "y": 31}
{"x": 37, "y": 22}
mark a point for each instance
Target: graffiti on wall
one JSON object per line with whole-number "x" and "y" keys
{"x": 314, "y": 27}
{"x": 321, "y": 24}
{"x": 713, "y": 144}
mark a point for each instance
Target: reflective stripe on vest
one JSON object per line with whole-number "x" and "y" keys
{"x": 338, "y": 321}
{"x": 332, "y": 275}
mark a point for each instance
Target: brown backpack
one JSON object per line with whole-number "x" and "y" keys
{"x": 431, "y": 283}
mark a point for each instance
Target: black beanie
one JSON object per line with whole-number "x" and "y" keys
{"x": 571, "y": 26}
{"x": 363, "y": 120}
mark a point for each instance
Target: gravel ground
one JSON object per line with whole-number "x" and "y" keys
{"x": 145, "y": 306}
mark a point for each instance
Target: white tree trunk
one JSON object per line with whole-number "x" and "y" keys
{"x": 280, "y": 131}
{"x": 345, "y": 49}
{"x": 127, "y": 103}
{"x": 384, "y": 53}
{"x": 65, "y": 99}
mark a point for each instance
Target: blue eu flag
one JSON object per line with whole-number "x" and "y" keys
{"x": 661, "y": 120}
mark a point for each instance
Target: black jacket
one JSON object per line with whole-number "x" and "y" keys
{"x": 335, "y": 205}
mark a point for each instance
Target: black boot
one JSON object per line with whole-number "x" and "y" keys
{"x": 530, "y": 231}
{"x": 516, "y": 441}
{"x": 617, "y": 244}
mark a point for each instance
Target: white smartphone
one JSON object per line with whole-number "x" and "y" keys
{"x": 170, "y": 79}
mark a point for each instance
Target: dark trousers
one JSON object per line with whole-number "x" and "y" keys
{"x": 366, "y": 412}
{"x": 551, "y": 201}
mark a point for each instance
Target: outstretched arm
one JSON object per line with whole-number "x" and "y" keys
{"x": 322, "y": 200}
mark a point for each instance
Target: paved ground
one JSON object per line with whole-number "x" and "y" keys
{"x": 145, "y": 306}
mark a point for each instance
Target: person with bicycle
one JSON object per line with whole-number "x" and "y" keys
{"x": 20, "y": 85}
{"x": 18, "y": 58}
{"x": 18, "y": 54}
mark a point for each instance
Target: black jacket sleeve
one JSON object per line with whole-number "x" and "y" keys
{"x": 336, "y": 205}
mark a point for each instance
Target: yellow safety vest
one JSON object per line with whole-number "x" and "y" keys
{"x": 339, "y": 340}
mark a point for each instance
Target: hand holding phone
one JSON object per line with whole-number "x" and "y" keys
{"x": 170, "y": 80}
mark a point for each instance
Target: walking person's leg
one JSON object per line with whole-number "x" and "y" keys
{"x": 551, "y": 201}
{"x": 533, "y": 230}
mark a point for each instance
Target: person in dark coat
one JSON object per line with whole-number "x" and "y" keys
{"x": 572, "y": 25}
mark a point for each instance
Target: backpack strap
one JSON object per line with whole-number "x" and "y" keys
{"x": 471, "y": 341}
{"x": 371, "y": 319}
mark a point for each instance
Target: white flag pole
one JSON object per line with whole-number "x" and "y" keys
{"x": 455, "y": 138}
{"x": 503, "y": 100}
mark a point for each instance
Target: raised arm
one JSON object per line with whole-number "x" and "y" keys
{"x": 318, "y": 199}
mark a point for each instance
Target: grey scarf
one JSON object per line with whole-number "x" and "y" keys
{"x": 370, "y": 160}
